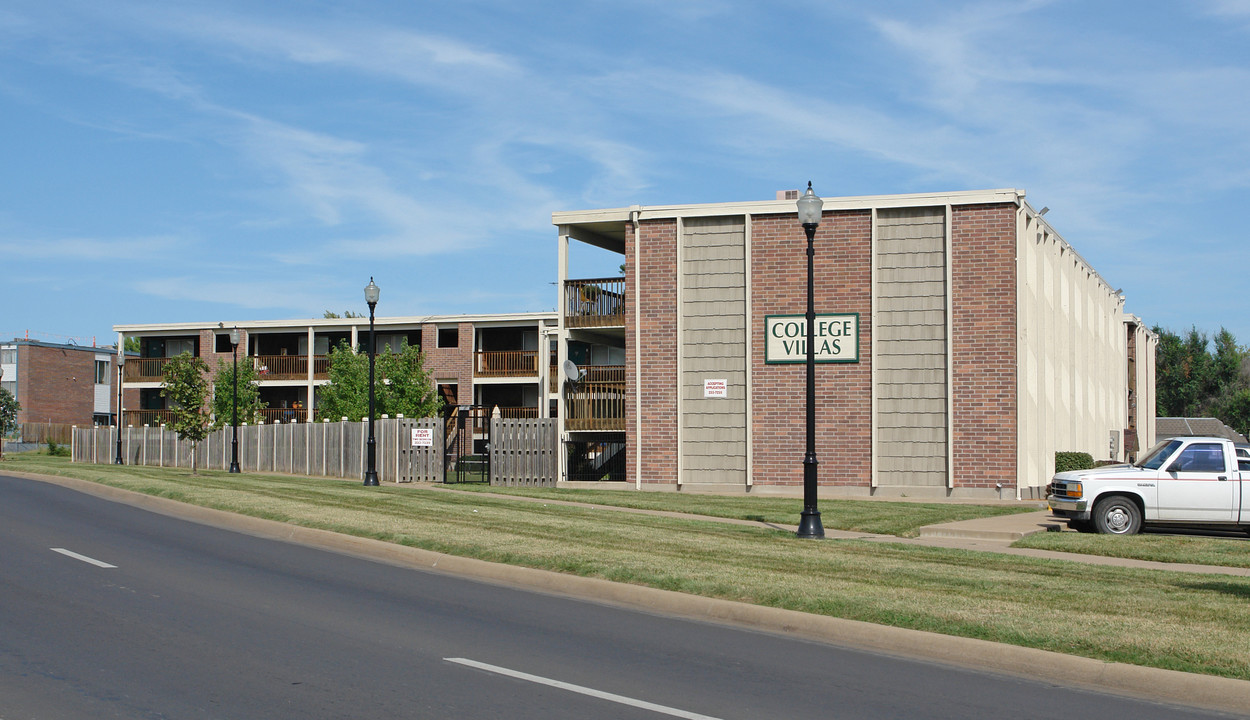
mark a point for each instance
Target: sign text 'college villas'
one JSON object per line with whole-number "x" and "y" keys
{"x": 836, "y": 338}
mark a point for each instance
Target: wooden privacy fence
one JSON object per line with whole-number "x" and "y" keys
{"x": 408, "y": 450}
{"x": 523, "y": 452}
{"x": 335, "y": 449}
{"x": 32, "y": 432}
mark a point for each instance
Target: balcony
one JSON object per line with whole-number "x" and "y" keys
{"x": 273, "y": 416}
{"x": 145, "y": 369}
{"x": 597, "y": 400}
{"x": 152, "y": 418}
{"x": 592, "y": 303}
{"x": 290, "y": 367}
{"x": 505, "y": 363}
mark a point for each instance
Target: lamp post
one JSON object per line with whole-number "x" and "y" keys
{"x": 809, "y": 523}
{"x": 234, "y": 417}
{"x": 371, "y": 449}
{"x": 117, "y": 423}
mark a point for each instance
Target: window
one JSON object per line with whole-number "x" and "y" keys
{"x": 222, "y": 343}
{"x": 10, "y": 385}
{"x": 1200, "y": 457}
{"x": 102, "y": 372}
{"x": 8, "y": 356}
{"x": 449, "y": 337}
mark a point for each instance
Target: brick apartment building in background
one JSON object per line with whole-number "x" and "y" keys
{"x": 477, "y": 362}
{"x": 60, "y": 384}
{"x": 968, "y": 342}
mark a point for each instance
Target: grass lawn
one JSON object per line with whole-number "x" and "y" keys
{"x": 1165, "y": 619}
{"x": 1194, "y": 549}
{"x": 903, "y": 519}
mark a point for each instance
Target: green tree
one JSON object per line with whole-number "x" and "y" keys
{"x": 132, "y": 345}
{"x": 8, "y": 416}
{"x": 186, "y": 388}
{"x": 402, "y": 385}
{"x": 1195, "y": 380}
{"x": 330, "y": 314}
{"x": 250, "y": 403}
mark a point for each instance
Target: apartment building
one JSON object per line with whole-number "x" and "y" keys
{"x": 60, "y": 383}
{"x": 962, "y": 343}
{"x": 478, "y": 362}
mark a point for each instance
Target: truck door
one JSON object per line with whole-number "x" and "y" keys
{"x": 1243, "y": 485}
{"x": 1198, "y": 486}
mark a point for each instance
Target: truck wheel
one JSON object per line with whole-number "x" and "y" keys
{"x": 1117, "y": 515}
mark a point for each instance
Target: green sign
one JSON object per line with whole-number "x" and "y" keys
{"x": 836, "y": 338}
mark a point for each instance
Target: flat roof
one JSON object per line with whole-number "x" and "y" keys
{"x": 605, "y": 228}
{"x": 332, "y": 323}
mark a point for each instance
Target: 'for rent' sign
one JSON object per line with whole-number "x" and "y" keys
{"x": 837, "y": 338}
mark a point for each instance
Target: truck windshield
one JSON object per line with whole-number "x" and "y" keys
{"x": 1158, "y": 454}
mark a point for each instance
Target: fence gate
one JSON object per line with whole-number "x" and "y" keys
{"x": 523, "y": 452}
{"x": 467, "y": 426}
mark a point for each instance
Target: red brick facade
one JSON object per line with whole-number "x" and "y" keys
{"x": 983, "y": 301}
{"x": 842, "y": 265}
{"x": 56, "y": 383}
{"x": 983, "y": 331}
{"x": 656, "y": 398}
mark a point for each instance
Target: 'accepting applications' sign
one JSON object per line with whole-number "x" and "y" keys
{"x": 837, "y": 338}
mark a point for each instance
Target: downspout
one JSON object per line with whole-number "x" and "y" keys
{"x": 634, "y": 213}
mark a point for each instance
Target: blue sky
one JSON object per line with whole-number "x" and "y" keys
{"x": 232, "y": 161}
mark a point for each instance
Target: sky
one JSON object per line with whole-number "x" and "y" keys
{"x": 232, "y": 161}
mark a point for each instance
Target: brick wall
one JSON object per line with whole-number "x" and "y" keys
{"x": 983, "y": 295}
{"x": 843, "y": 404}
{"x": 656, "y": 398}
{"x": 447, "y": 363}
{"x": 56, "y": 384}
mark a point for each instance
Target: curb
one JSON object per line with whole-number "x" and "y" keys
{"x": 1165, "y": 686}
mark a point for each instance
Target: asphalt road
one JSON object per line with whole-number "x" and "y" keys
{"x": 192, "y": 621}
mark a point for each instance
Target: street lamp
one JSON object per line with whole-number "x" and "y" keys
{"x": 371, "y": 474}
{"x": 117, "y": 423}
{"x": 809, "y": 524}
{"x": 234, "y": 419}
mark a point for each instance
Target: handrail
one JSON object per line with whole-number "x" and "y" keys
{"x": 145, "y": 369}
{"x": 505, "y": 363}
{"x": 595, "y": 406}
{"x": 594, "y": 302}
{"x": 154, "y": 418}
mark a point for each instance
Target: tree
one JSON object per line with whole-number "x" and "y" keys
{"x": 329, "y": 314}
{"x": 8, "y": 415}
{"x": 1193, "y": 381}
{"x": 250, "y": 403}
{"x": 402, "y": 385}
{"x": 132, "y": 344}
{"x": 186, "y": 388}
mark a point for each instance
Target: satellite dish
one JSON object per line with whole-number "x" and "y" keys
{"x": 571, "y": 371}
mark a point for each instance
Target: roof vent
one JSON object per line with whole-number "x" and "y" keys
{"x": 787, "y": 194}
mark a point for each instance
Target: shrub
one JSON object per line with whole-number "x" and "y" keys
{"x": 1065, "y": 461}
{"x": 57, "y": 450}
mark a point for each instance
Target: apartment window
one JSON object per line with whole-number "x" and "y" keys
{"x": 449, "y": 337}
{"x": 8, "y": 356}
{"x": 222, "y": 343}
{"x": 102, "y": 372}
{"x": 10, "y": 385}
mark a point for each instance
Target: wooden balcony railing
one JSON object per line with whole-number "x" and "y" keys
{"x": 479, "y": 416}
{"x": 290, "y": 367}
{"x": 553, "y": 378}
{"x": 153, "y": 418}
{"x": 506, "y": 363}
{"x": 597, "y": 400}
{"x": 598, "y": 302}
{"x": 144, "y": 369}
{"x": 284, "y": 415}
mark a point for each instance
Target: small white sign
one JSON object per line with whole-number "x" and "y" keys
{"x": 716, "y": 388}
{"x": 423, "y": 437}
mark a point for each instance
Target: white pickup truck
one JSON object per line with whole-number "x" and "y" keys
{"x": 1194, "y": 481}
